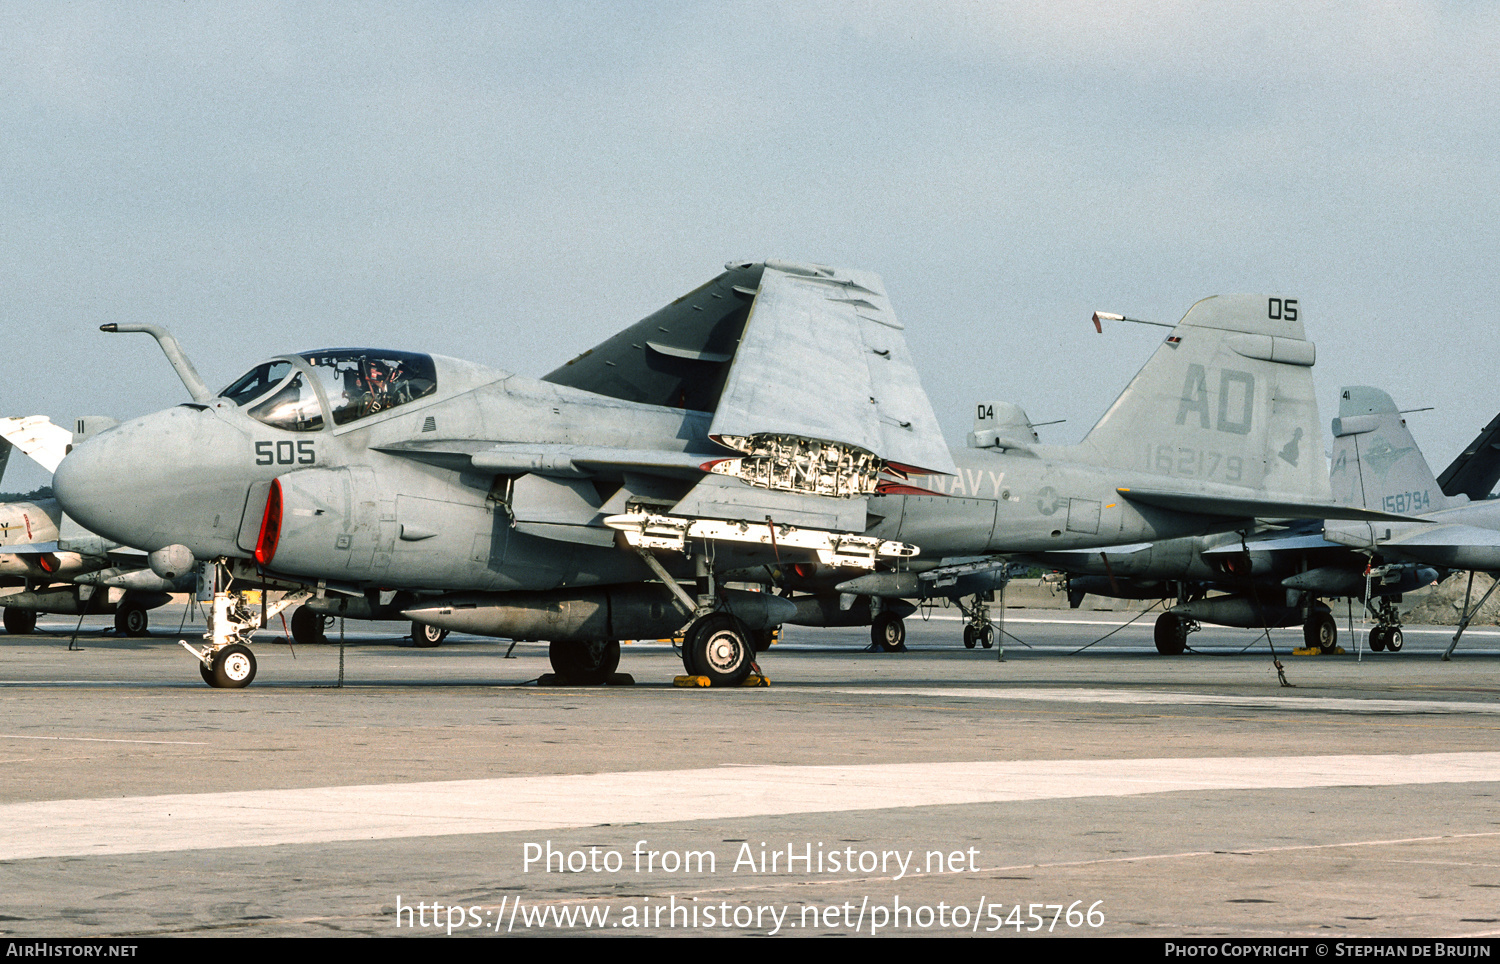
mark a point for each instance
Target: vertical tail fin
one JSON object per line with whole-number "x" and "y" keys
{"x": 1228, "y": 398}
{"x": 1376, "y": 462}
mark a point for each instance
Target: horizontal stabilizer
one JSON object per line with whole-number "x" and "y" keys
{"x": 1445, "y": 535}
{"x": 1201, "y": 503}
{"x": 1273, "y": 544}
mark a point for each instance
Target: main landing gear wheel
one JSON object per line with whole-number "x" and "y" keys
{"x": 307, "y": 627}
{"x": 131, "y": 619}
{"x": 979, "y": 636}
{"x": 1321, "y": 631}
{"x": 888, "y": 633}
{"x": 762, "y": 639}
{"x": 587, "y": 663}
{"x": 1171, "y": 634}
{"x": 20, "y": 622}
{"x": 425, "y": 636}
{"x": 718, "y": 646}
{"x": 234, "y": 667}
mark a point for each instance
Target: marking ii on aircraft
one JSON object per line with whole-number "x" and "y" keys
{"x": 745, "y": 424}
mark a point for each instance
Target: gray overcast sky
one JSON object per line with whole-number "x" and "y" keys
{"x": 511, "y": 183}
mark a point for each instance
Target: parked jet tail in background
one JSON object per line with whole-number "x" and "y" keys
{"x": 1219, "y": 428}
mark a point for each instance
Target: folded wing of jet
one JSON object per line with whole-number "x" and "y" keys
{"x": 811, "y": 394}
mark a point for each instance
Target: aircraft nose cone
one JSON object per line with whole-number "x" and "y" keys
{"x": 175, "y": 477}
{"x": 86, "y": 488}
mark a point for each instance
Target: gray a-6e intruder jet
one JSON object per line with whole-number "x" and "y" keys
{"x": 1277, "y": 578}
{"x": 1219, "y": 428}
{"x": 48, "y": 564}
{"x": 1376, "y": 463}
{"x": 746, "y": 423}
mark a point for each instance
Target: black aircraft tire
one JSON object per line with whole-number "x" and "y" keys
{"x": 969, "y": 639}
{"x": 1321, "y": 631}
{"x": 987, "y": 637}
{"x": 131, "y": 619}
{"x": 307, "y": 627}
{"x": 20, "y": 622}
{"x": 587, "y": 663}
{"x": 1394, "y": 640}
{"x": 234, "y": 667}
{"x": 206, "y": 673}
{"x": 762, "y": 639}
{"x": 1170, "y": 639}
{"x": 888, "y": 633}
{"x": 424, "y": 636}
{"x": 719, "y": 647}
{"x": 1377, "y": 639}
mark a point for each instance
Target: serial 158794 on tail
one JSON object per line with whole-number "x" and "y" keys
{"x": 745, "y": 423}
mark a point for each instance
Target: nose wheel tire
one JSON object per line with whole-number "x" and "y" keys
{"x": 425, "y": 636}
{"x": 1394, "y": 640}
{"x": 718, "y": 646}
{"x": 587, "y": 663}
{"x": 234, "y": 668}
{"x": 888, "y": 633}
{"x": 1377, "y": 639}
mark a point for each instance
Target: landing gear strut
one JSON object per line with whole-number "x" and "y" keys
{"x": 979, "y": 630}
{"x": 714, "y": 644}
{"x": 225, "y": 661}
{"x": 1387, "y": 632}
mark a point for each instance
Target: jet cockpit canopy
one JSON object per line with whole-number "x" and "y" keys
{"x": 299, "y": 393}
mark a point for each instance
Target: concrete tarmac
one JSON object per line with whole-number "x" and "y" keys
{"x": 1106, "y": 792}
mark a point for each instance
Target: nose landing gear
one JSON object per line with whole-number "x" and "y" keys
{"x": 225, "y": 662}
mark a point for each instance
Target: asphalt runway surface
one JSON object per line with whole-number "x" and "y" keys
{"x": 1055, "y": 793}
